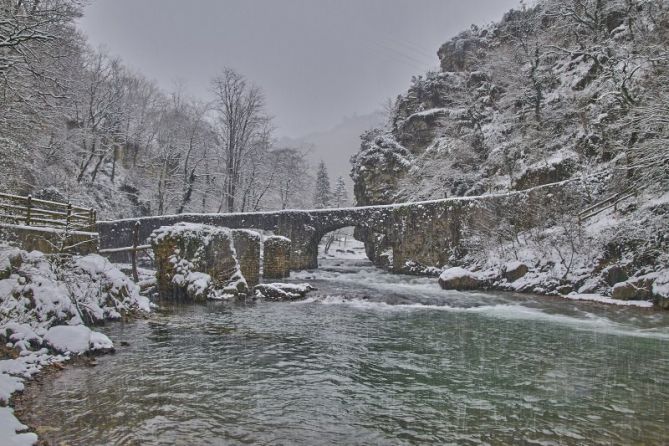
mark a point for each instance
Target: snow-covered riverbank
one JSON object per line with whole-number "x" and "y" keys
{"x": 46, "y": 304}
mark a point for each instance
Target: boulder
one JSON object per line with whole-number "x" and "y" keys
{"x": 515, "y": 270}
{"x": 633, "y": 289}
{"x": 564, "y": 289}
{"x": 614, "y": 274}
{"x": 77, "y": 339}
{"x": 10, "y": 258}
{"x": 459, "y": 279}
{"x": 661, "y": 289}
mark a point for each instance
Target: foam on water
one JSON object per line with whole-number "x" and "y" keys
{"x": 585, "y": 321}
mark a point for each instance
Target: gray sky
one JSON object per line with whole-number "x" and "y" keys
{"x": 317, "y": 60}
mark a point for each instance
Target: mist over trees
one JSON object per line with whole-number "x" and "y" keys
{"x": 77, "y": 124}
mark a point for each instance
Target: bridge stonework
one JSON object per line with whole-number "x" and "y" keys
{"x": 428, "y": 233}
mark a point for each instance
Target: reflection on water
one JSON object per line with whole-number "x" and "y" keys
{"x": 373, "y": 359}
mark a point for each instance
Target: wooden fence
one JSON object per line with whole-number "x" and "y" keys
{"x": 133, "y": 250}
{"x": 611, "y": 202}
{"x": 30, "y": 211}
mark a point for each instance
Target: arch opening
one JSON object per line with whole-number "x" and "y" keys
{"x": 340, "y": 245}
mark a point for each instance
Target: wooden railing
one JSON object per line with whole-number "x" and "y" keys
{"x": 611, "y": 202}
{"x": 133, "y": 250}
{"x": 30, "y": 211}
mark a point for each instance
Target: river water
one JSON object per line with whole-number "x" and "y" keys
{"x": 371, "y": 358}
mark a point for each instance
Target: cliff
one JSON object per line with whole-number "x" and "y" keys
{"x": 564, "y": 90}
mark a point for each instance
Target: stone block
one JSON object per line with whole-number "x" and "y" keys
{"x": 247, "y": 246}
{"x": 276, "y": 257}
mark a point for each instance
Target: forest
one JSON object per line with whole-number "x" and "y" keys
{"x": 77, "y": 124}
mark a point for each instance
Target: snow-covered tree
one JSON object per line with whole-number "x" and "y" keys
{"x": 340, "y": 195}
{"x": 241, "y": 122}
{"x": 322, "y": 192}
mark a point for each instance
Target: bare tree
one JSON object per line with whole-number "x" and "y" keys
{"x": 241, "y": 120}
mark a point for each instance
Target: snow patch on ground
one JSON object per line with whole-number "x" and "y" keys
{"x": 608, "y": 300}
{"x": 76, "y": 339}
{"x": 456, "y": 273}
{"x": 11, "y": 430}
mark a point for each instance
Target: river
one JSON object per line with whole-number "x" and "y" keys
{"x": 371, "y": 358}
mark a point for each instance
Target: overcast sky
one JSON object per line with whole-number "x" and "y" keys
{"x": 317, "y": 60}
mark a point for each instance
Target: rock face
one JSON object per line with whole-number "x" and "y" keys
{"x": 459, "y": 54}
{"x": 276, "y": 257}
{"x": 197, "y": 262}
{"x": 545, "y": 173}
{"x": 247, "y": 246}
{"x": 379, "y": 166}
{"x": 459, "y": 279}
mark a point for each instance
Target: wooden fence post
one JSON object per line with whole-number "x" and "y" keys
{"x": 91, "y": 220}
{"x": 69, "y": 216}
{"x": 133, "y": 253}
{"x": 28, "y": 210}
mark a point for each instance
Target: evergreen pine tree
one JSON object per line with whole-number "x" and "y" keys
{"x": 322, "y": 194}
{"x": 340, "y": 196}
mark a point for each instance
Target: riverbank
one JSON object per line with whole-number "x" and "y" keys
{"x": 47, "y": 305}
{"x": 644, "y": 290}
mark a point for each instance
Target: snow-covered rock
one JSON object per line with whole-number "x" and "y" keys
{"x": 282, "y": 291}
{"x": 632, "y": 290}
{"x": 77, "y": 339}
{"x": 459, "y": 279}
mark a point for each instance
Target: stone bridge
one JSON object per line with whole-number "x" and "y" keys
{"x": 427, "y": 233}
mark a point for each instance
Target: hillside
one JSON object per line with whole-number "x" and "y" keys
{"x": 564, "y": 90}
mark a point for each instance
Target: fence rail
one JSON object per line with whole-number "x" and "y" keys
{"x": 31, "y": 211}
